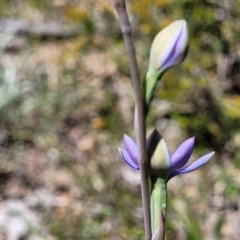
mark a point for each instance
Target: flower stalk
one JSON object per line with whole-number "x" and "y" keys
{"x": 140, "y": 123}
{"x": 152, "y": 157}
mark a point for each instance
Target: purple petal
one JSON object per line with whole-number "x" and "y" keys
{"x": 182, "y": 154}
{"x": 173, "y": 56}
{"x": 127, "y": 159}
{"x": 192, "y": 167}
{"x": 131, "y": 148}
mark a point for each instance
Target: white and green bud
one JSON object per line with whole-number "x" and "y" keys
{"x": 169, "y": 48}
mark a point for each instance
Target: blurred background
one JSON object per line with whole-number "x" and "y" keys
{"x": 66, "y": 101}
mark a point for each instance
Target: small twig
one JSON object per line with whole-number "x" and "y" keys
{"x": 140, "y": 123}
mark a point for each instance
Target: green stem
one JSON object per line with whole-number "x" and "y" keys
{"x": 150, "y": 86}
{"x": 140, "y": 127}
{"x": 158, "y": 202}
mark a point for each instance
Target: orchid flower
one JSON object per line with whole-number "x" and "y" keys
{"x": 173, "y": 164}
{"x": 163, "y": 166}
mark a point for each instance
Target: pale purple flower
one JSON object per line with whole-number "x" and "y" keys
{"x": 174, "y": 163}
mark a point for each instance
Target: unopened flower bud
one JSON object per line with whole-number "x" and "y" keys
{"x": 169, "y": 47}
